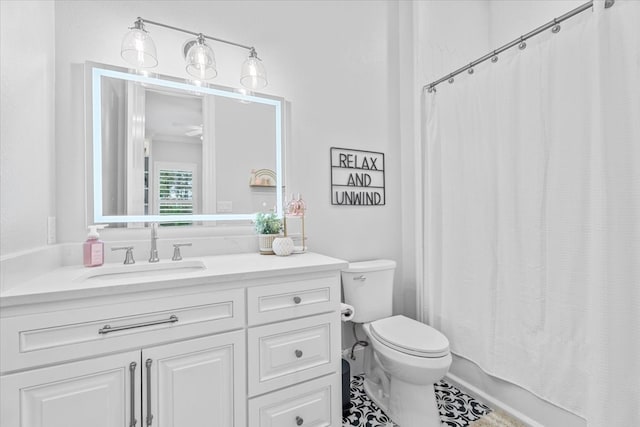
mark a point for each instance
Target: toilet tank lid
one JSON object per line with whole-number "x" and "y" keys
{"x": 372, "y": 265}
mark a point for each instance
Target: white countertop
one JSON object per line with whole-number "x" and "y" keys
{"x": 73, "y": 282}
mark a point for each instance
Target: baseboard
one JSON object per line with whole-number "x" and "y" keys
{"x": 492, "y": 401}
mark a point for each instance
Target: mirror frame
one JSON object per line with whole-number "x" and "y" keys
{"x": 94, "y": 73}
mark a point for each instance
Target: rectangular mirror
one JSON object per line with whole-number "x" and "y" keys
{"x": 170, "y": 151}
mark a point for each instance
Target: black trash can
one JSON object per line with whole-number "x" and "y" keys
{"x": 346, "y": 383}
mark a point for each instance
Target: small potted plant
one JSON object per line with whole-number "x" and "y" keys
{"x": 268, "y": 227}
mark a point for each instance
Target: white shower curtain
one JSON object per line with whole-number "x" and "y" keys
{"x": 532, "y": 215}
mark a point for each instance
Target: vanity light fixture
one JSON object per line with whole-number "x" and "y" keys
{"x": 139, "y": 50}
{"x": 201, "y": 62}
{"x": 253, "y": 74}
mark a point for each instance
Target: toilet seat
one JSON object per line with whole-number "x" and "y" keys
{"x": 410, "y": 337}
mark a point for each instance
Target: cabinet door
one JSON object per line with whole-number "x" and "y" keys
{"x": 196, "y": 382}
{"x": 99, "y": 392}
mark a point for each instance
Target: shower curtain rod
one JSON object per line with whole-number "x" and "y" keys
{"x": 431, "y": 87}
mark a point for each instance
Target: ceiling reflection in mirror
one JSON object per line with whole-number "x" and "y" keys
{"x": 170, "y": 151}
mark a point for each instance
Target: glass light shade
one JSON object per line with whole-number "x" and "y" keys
{"x": 201, "y": 62}
{"x": 138, "y": 49}
{"x": 253, "y": 75}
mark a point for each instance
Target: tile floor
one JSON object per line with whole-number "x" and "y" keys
{"x": 457, "y": 409}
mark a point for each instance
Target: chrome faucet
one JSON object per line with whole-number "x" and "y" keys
{"x": 154, "y": 238}
{"x": 177, "y": 256}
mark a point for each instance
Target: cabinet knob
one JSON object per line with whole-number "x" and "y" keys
{"x": 299, "y": 421}
{"x": 298, "y": 355}
{"x": 297, "y": 299}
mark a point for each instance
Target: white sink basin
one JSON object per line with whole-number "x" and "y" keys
{"x": 119, "y": 272}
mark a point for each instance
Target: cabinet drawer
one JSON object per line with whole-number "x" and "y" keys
{"x": 285, "y": 301}
{"x": 315, "y": 403}
{"x": 45, "y": 338}
{"x": 289, "y": 352}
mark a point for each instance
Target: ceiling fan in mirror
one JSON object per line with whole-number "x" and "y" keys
{"x": 194, "y": 130}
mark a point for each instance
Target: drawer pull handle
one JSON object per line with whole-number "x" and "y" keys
{"x": 299, "y": 421}
{"x": 297, "y": 300}
{"x": 132, "y": 394}
{"x": 298, "y": 355}
{"x": 361, "y": 278}
{"x": 107, "y": 328}
{"x": 148, "y": 364}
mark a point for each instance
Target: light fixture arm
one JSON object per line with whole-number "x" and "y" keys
{"x": 159, "y": 24}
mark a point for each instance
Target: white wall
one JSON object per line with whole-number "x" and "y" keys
{"x": 335, "y": 61}
{"x": 510, "y": 19}
{"x": 336, "y": 77}
{"x": 27, "y": 167}
{"x": 351, "y": 70}
{"x": 449, "y": 35}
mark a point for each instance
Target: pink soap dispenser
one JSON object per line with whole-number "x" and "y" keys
{"x": 93, "y": 248}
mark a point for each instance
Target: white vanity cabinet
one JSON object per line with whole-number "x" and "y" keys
{"x": 294, "y": 353}
{"x": 247, "y": 341}
{"x": 172, "y": 385}
{"x": 157, "y": 374}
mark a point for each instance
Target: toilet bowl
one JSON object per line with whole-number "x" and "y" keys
{"x": 400, "y": 379}
{"x": 405, "y": 357}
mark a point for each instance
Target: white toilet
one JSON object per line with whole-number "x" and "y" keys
{"x": 405, "y": 357}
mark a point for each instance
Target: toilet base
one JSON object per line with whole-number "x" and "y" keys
{"x": 408, "y": 405}
{"x": 376, "y": 395}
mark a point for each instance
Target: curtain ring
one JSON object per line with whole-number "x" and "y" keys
{"x": 556, "y": 28}
{"x": 494, "y": 58}
{"x": 470, "y": 69}
{"x": 450, "y": 78}
{"x": 522, "y": 44}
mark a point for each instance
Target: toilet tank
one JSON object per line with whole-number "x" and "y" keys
{"x": 368, "y": 287}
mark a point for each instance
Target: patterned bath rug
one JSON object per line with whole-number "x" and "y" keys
{"x": 457, "y": 409}
{"x": 497, "y": 418}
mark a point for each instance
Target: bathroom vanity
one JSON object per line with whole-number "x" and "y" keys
{"x": 232, "y": 340}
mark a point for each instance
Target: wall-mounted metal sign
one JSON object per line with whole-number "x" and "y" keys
{"x": 357, "y": 177}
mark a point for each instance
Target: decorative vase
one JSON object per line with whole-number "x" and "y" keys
{"x": 265, "y": 243}
{"x": 283, "y": 246}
